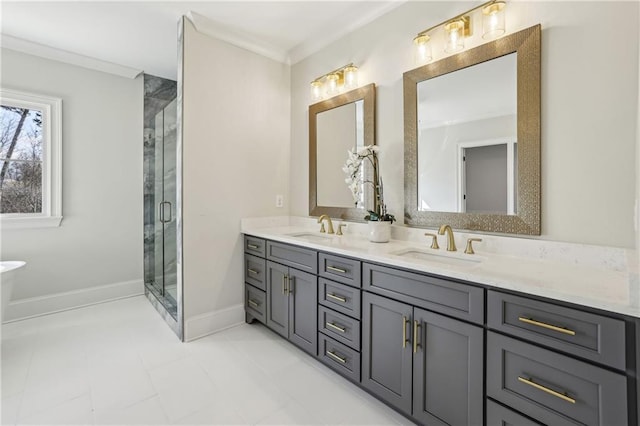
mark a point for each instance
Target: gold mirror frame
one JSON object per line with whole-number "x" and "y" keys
{"x": 527, "y": 220}
{"x": 368, "y": 95}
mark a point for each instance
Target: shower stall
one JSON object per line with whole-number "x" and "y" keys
{"x": 160, "y": 214}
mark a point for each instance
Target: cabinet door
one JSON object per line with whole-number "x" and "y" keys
{"x": 303, "y": 310}
{"x": 277, "y": 299}
{"x": 447, "y": 370}
{"x": 386, "y": 350}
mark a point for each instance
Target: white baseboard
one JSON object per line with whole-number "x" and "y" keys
{"x": 205, "y": 324}
{"x": 43, "y": 305}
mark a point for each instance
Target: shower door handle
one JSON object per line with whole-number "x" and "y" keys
{"x": 161, "y": 210}
{"x": 170, "y": 211}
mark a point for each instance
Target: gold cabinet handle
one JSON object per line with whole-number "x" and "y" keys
{"x": 338, "y": 298}
{"x": 253, "y": 271}
{"x": 416, "y": 326}
{"x": 336, "y": 327}
{"x": 562, "y": 396}
{"x": 334, "y": 269}
{"x": 254, "y": 304}
{"x": 404, "y": 332}
{"x": 337, "y": 357}
{"x": 290, "y": 284}
{"x": 253, "y": 246}
{"x": 547, "y": 326}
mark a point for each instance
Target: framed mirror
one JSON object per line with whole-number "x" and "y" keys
{"x": 472, "y": 138}
{"x": 336, "y": 125}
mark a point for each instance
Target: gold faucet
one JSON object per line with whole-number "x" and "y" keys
{"x": 451, "y": 242}
{"x": 329, "y": 224}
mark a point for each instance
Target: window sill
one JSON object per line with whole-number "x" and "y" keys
{"x": 30, "y": 222}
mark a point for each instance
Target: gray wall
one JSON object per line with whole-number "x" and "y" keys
{"x": 100, "y": 239}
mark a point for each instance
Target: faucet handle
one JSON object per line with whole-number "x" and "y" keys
{"x": 340, "y": 226}
{"x": 322, "y": 227}
{"x": 434, "y": 240}
{"x": 469, "y": 249}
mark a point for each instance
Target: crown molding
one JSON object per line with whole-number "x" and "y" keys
{"x": 48, "y": 52}
{"x": 315, "y": 44}
{"x": 225, "y": 33}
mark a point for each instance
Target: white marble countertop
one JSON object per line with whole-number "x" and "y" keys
{"x": 612, "y": 288}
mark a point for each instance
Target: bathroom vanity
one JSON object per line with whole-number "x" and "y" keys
{"x": 450, "y": 339}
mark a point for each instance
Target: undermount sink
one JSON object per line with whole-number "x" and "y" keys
{"x": 447, "y": 259}
{"x": 310, "y": 236}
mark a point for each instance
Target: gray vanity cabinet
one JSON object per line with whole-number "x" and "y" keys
{"x": 448, "y": 361}
{"x": 443, "y": 351}
{"x": 292, "y": 298}
{"x": 254, "y": 279}
{"x": 277, "y": 299}
{"x": 386, "y": 350}
{"x": 427, "y": 365}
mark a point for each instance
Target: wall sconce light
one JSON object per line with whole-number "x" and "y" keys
{"x": 422, "y": 45}
{"x": 460, "y": 27}
{"x": 493, "y": 20}
{"x": 332, "y": 83}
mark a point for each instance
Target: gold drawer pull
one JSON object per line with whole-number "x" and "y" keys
{"x": 253, "y": 271}
{"x": 253, "y": 246}
{"x": 547, "y": 390}
{"x": 337, "y": 357}
{"x": 338, "y": 298}
{"x": 416, "y": 326}
{"x": 334, "y": 269}
{"x": 254, "y": 304}
{"x": 547, "y": 326}
{"x": 335, "y": 327}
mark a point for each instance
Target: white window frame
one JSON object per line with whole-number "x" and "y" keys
{"x": 51, "y": 108}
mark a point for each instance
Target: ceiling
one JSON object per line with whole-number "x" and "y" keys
{"x": 143, "y": 34}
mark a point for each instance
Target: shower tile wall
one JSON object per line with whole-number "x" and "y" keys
{"x": 159, "y": 185}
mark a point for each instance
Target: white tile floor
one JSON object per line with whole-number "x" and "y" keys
{"x": 118, "y": 363}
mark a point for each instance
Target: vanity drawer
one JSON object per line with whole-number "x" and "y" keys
{"x": 341, "y": 327}
{"x": 297, "y": 257}
{"x": 497, "y": 415}
{"x": 553, "y": 388}
{"x": 255, "y": 303}
{"x": 436, "y": 294}
{"x": 339, "y": 297}
{"x": 341, "y": 358}
{"x": 254, "y": 271}
{"x": 254, "y": 245}
{"x": 594, "y": 337}
{"x": 340, "y": 269}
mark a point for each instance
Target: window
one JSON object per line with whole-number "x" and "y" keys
{"x": 30, "y": 160}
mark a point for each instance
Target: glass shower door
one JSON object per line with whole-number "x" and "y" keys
{"x": 164, "y": 281}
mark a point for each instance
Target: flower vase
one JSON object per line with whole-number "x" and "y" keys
{"x": 379, "y": 231}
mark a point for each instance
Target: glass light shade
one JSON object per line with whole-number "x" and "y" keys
{"x": 454, "y": 36}
{"x": 316, "y": 90}
{"x": 422, "y": 51}
{"x": 350, "y": 77}
{"x": 493, "y": 20}
{"x": 331, "y": 84}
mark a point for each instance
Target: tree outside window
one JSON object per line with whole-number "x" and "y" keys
{"x": 21, "y": 157}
